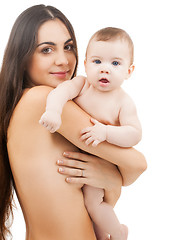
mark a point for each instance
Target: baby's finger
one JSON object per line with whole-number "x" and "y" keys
{"x": 45, "y": 124}
{"x": 89, "y": 140}
{"x": 85, "y": 136}
{"x": 94, "y": 121}
{"x": 86, "y": 130}
{"x": 41, "y": 121}
{"x": 48, "y": 127}
{"x": 52, "y": 130}
{"x": 95, "y": 143}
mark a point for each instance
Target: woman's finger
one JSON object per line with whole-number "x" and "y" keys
{"x": 77, "y": 155}
{"x": 71, "y": 163}
{"x": 77, "y": 180}
{"x": 72, "y": 172}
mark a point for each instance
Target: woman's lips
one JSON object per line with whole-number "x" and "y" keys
{"x": 61, "y": 75}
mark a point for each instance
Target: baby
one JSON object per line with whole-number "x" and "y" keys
{"x": 109, "y": 61}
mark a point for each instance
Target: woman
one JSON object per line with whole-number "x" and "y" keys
{"x": 40, "y": 54}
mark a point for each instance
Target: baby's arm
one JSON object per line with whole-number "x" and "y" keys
{"x": 51, "y": 119}
{"x": 128, "y": 134}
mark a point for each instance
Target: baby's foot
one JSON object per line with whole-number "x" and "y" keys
{"x": 124, "y": 233}
{"x": 100, "y": 234}
{"x": 103, "y": 236}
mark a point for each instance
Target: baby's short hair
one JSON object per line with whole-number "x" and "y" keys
{"x": 111, "y": 33}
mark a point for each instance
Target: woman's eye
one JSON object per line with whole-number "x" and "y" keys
{"x": 47, "y": 50}
{"x": 115, "y": 63}
{"x": 97, "y": 61}
{"x": 69, "y": 47}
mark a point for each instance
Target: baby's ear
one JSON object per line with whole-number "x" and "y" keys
{"x": 85, "y": 63}
{"x": 131, "y": 69}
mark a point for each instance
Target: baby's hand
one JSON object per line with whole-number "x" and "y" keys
{"x": 51, "y": 120}
{"x": 95, "y": 134}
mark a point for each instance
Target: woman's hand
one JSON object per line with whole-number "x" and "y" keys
{"x": 88, "y": 169}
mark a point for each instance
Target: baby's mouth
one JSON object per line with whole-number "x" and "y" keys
{"x": 103, "y": 82}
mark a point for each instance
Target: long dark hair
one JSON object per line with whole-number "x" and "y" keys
{"x": 20, "y": 47}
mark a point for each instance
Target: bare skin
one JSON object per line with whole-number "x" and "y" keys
{"x": 131, "y": 162}
{"x": 46, "y": 199}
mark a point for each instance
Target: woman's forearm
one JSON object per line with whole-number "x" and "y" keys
{"x": 131, "y": 163}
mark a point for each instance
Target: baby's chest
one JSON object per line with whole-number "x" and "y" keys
{"x": 105, "y": 110}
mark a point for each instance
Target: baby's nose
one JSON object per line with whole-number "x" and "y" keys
{"x": 105, "y": 69}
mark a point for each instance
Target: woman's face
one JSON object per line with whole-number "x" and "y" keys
{"x": 53, "y": 60}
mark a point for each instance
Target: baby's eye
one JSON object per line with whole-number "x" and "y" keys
{"x": 97, "y": 61}
{"x": 46, "y": 50}
{"x": 115, "y": 63}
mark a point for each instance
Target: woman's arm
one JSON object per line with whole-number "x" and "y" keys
{"x": 97, "y": 172}
{"x": 131, "y": 163}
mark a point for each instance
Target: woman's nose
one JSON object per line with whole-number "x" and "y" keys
{"x": 61, "y": 58}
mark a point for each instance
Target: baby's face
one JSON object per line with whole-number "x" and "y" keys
{"x": 107, "y": 63}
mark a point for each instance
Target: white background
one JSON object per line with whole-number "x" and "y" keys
{"x": 143, "y": 206}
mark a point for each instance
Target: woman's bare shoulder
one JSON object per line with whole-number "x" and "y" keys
{"x": 32, "y": 103}
{"x": 40, "y": 90}
{"x": 36, "y": 95}
{"x": 25, "y": 118}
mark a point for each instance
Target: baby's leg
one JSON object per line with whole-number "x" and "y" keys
{"x": 102, "y": 213}
{"x": 100, "y": 234}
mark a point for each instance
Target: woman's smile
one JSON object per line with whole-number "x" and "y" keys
{"x": 60, "y": 74}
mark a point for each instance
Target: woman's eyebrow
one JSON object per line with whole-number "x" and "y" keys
{"x": 49, "y": 43}
{"x": 53, "y": 44}
{"x": 69, "y": 40}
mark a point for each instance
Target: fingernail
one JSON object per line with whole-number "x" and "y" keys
{"x": 66, "y": 154}
{"x": 60, "y": 162}
{"x": 61, "y": 170}
{"x": 68, "y": 179}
